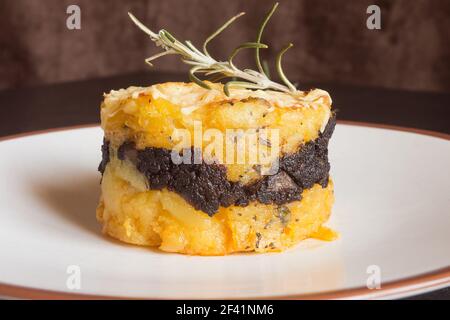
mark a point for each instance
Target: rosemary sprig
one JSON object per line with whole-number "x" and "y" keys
{"x": 201, "y": 62}
{"x": 280, "y": 69}
{"x": 259, "y": 36}
{"x": 218, "y": 31}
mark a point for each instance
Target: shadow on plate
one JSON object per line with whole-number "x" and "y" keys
{"x": 74, "y": 199}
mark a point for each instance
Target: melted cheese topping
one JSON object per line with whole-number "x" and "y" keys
{"x": 190, "y": 97}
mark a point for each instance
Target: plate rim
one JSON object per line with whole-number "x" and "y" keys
{"x": 403, "y": 287}
{"x": 398, "y": 288}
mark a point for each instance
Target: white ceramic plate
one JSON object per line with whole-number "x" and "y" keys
{"x": 392, "y": 211}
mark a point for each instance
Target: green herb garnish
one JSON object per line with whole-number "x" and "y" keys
{"x": 201, "y": 62}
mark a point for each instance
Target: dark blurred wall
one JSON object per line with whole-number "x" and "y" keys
{"x": 332, "y": 43}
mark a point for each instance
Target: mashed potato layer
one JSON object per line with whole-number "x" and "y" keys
{"x": 163, "y": 219}
{"x": 152, "y": 116}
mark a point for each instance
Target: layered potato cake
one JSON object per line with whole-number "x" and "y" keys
{"x": 210, "y": 205}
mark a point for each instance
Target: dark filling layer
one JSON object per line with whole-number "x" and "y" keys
{"x": 105, "y": 156}
{"x": 206, "y": 188}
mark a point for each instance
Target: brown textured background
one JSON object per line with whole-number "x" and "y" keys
{"x": 332, "y": 43}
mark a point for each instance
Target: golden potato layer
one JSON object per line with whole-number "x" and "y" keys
{"x": 150, "y": 117}
{"x": 163, "y": 219}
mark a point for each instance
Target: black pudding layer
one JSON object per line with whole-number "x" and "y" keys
{"x": 206, "y": 188}
{"x": 105, "y": 156}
